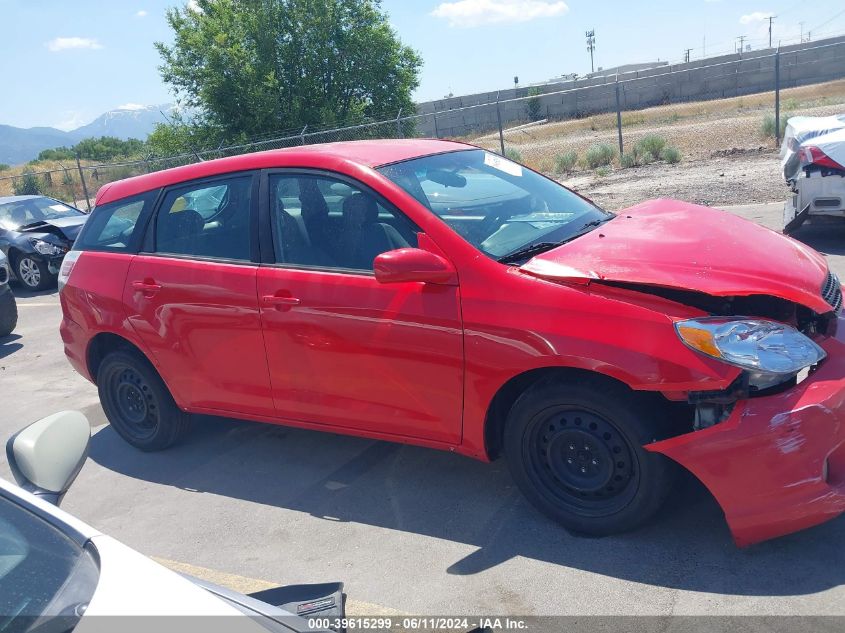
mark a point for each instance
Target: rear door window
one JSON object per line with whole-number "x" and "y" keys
{"x": 209, "y": 219}
{"x": 116, "y": 226}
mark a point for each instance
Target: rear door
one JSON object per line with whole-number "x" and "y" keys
{"x": 190, "y": 295}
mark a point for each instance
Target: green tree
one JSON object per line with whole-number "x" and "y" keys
{"x": 251, "y": 67}
{"x": 534, "y": 107}
{"x": 104, "y": 148}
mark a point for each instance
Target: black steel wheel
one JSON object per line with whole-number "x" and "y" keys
{"x": 581, "y": 461}
{"x": 575, "y": 451}
{"x": 137, "y": 403}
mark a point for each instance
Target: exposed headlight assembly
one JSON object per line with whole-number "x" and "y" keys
{"x": 47, "y": 248}
{"x": 771, "y": 352}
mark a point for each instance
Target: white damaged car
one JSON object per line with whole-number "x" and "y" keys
{"x": 813, "y": 163}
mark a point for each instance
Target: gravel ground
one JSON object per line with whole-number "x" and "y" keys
{"x": 743, "y": 178}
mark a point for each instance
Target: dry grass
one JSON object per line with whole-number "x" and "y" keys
{"x": 697, "y": 129}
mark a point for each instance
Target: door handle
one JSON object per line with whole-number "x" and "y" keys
{"x": 148, "y": 287}
{"x": 280, "y": 302}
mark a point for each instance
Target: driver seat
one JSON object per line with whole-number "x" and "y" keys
{"x": 366, "y": 237}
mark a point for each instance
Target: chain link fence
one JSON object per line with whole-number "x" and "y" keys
{"x": 692, "y": 111}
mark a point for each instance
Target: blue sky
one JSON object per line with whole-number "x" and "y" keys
{"x": 64, "y": 62}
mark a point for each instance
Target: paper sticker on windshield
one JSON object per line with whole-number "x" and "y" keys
{"x": 59, "y": 207}
{"x": 502, "y": 164}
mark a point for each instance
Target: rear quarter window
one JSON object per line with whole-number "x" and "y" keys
{"x": 116, "y": 226}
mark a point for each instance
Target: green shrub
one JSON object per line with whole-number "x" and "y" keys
{"x": 600, "y": 155}
{"x": 671, "y": 155}
{"x": 4, "y": 167}
{"x": 565, "y": 163}
{"x": 768, "y": 126}
{"x": 27, "y": 185}
{"x": 603, "y": 171}
{"x": 513, "y": 154}
{"x": 628, "y": 160}
{"x": 650, "y": 146}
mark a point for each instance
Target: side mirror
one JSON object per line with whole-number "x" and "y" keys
{"x": 46, "y": 456}
{"x": 414, "y": 264}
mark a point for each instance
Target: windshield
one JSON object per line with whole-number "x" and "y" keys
{"x": 498, "y": 206}
{"x": 43, "y": 573}
{"x": 14, "y": 215}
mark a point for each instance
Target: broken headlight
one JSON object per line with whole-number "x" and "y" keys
{"x": 771, "y": 352}
{"x": 47, "y": 248}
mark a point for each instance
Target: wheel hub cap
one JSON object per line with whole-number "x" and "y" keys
{"x": 30, "y": 274}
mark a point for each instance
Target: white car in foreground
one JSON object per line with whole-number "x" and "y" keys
{"x": 58, "y": 574}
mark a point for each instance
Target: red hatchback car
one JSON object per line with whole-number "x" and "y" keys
{"x": 433, "y": 293}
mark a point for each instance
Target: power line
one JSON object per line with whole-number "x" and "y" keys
{"x": 591, "y": 46}
{"x": 770, "y": 19}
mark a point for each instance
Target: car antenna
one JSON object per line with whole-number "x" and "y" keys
{"x": 190, "y": 147}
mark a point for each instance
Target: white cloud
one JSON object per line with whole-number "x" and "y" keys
{"x": 757, "y": 16}
{"x": 194, "y": 6}
{"x": 141, "y": 14}
{"x": 469, "y": 13}
{"x": 67, "y": 43}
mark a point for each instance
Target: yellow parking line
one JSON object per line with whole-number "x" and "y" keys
{"x": 251, "y": 585}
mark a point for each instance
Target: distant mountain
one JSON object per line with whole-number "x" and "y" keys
{"x": 130, "y": 121}
{"x": 19, "y": 145}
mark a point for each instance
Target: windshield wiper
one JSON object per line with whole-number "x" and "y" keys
{"x": 31, "y": 225}
{"x": 528, "y": 251}
{"x": 541, "y": 247}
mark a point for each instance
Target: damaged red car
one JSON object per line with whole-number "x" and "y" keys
{"x": 433, "y": 293}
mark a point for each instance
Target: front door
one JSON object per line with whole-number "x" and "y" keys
{"x": 192, "y": 297}
{"x": 343, "y": 349}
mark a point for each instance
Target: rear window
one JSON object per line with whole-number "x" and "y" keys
{"x": 116, "y": 226}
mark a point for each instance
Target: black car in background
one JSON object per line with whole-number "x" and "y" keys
{"x": 35, "y": 234}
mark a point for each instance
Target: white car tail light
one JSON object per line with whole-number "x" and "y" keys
{"x": 67, "y": 267}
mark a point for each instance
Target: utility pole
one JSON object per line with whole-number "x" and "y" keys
{"x": 801, "y": 39}
{"x": 770, "y": 18}
{"x": 741, "y": 39}
{"x": 686, "y": 54}
{"x": 591, "y": 46}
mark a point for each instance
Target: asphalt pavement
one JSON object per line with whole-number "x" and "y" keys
{"x": 409, "y": 530}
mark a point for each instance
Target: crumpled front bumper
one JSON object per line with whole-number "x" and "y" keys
{"x": 777, "y": 464}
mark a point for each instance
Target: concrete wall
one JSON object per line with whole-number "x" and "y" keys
{"x": 713, "y": 78}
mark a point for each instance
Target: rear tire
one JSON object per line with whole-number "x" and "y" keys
{"x": 138, "y": 404}
{"x": 33, "y": 274}
{"x": 575, "y": 451}
{"x": 8, "y": 313}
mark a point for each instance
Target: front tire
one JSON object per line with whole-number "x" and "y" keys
{"x": 138, "y": 404}
{"x": 575, "y": 451}
{"x": 33, "y": 273}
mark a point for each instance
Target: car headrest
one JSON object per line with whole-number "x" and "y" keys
{"x": 360, "y": 209}
{"x": 185, "y": 222}
{"x": 314, "y": 206}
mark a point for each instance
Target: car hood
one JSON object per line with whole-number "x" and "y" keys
{"x": 63, "y": 227}
{"x": 690, "y": 247}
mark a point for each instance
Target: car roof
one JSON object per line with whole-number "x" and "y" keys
{"x": 344, "y": 156}
{"x": 6, "y": 199}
